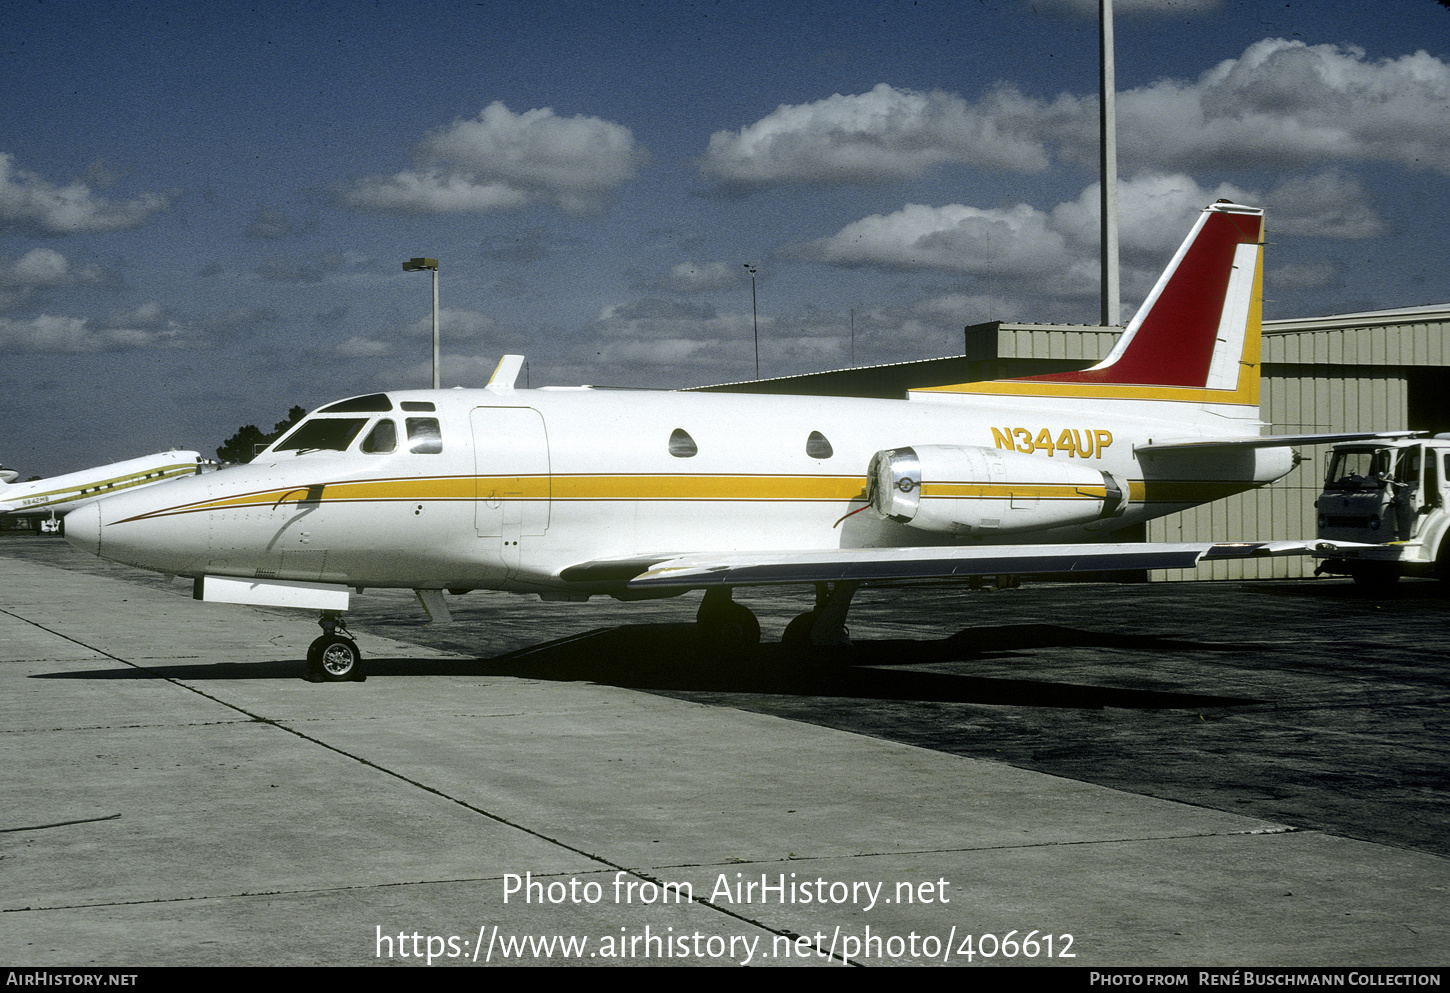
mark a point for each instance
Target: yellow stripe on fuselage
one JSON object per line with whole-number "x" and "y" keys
{"x": 667, "y": 486}
{"x": 587, "y": 487}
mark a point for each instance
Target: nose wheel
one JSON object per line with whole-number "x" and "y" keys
{"x": 334, "y": 657}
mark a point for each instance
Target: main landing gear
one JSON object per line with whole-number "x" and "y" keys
{"x": 726, "y": 623}
{"x": 334, "y": 657}
{"x": 825, "y": 626}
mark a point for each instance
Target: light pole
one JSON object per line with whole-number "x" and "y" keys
{"x": 418, "y": 265}
{"x": 1108, "y": 166}
{"x": 754, "y": 315}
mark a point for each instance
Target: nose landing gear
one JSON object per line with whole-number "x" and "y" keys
{"x": 334, "y": 657}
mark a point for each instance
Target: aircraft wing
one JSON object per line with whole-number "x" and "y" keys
{"x": 939, "y": 562}
{"x": 1270, "y": 441}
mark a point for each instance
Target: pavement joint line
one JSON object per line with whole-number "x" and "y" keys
{"x": 125, "y": 727}
{"x": 42, "y": 827}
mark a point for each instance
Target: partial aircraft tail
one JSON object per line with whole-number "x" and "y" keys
{"x": 1196, "y": 336}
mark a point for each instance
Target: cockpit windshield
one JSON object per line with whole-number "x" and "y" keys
{"x": 327, "y": 433}
{"x": 1358, "y": 469}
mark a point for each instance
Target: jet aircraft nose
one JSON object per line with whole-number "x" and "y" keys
{"x": 82, "y": 527}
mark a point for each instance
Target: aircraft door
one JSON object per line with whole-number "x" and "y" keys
{"x": 511, "y": 477}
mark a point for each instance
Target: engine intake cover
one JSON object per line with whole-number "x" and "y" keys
{"x": 968, "y": 490}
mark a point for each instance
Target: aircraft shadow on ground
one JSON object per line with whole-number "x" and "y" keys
{"x": 673, "y": 658}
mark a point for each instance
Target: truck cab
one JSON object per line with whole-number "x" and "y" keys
{"x": 1392, "y": 497}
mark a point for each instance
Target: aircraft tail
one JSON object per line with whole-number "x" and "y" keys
{"x": 1196, "y": 336}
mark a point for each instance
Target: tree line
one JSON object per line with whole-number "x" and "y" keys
{"x": 250, "y": 439}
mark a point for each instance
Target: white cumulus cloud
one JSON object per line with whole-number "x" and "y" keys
{"x": 39, "y": 267}
{"x": 885, "y": 134}
{"x": 1281, "y": 104}
{"x": 39, "y": 271}
{"x": 145, "y": 328}
{"x": 955, "y": 238}
{"x": 1155, "y": 213}
{"x": 456, "y": 325}
{"x": 29, "y": 202}
{"x": 502, "y": 160}
{"x": 1285, "y": 103}
{"x": 364, "y": 348}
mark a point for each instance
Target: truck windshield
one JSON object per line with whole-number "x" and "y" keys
{"x": 1358, "y": 469}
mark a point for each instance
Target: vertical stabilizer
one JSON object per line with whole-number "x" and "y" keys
{"x": 1196, "y": 336}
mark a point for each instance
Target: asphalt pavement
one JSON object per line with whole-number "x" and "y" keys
{"x": 1087, "y": 775}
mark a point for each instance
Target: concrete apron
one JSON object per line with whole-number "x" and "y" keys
{"x": 176, "y": 794}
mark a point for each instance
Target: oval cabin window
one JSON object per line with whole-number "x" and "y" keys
{"x": 682, "y": 446}
{"x": 817, "y": 447}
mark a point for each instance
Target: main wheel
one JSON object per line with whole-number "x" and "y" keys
{"x": 796, "y": 637}
{"x": 730, "y": 625}
{"x": 335, "y": 659}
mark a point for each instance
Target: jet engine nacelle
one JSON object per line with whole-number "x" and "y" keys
{"x": 968, "y": 490}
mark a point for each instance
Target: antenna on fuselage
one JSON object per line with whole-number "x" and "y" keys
{"x": 506, "y": 375}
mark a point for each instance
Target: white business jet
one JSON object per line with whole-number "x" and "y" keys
{"x": 571, "y": 493}
{"x": 61, "y": 494}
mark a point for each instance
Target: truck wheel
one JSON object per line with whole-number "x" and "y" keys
{"x": 1375, "y": 575}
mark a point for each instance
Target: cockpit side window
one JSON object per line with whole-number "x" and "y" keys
{"x": 382, "y": 439}
{"x": 424, "y": 436}
{"x": 328, "y": 433}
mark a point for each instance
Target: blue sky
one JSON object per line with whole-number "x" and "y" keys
{"x": 204, "y": 208}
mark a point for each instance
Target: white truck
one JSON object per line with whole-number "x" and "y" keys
{"x": 1391, "y": 497}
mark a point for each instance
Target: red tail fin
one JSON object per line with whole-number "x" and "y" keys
{"x": 1196, "y": 337}
{"x": 1203, "y": 304}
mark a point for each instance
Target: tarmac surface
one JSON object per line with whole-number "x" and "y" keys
{"x": 1170, "y": 774}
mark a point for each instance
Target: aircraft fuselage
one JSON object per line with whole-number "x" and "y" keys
{"x": 508, "y": 488}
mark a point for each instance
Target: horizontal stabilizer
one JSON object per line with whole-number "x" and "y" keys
{"x": 1272, "y": 441}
